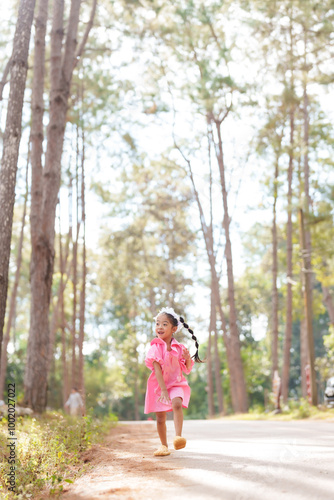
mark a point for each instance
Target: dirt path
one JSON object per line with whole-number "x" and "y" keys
{"x": 123, "y": 467}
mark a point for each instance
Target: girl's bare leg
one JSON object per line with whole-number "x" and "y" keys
{"x": 178, "y": 415}
{"x": 161, "y": 427}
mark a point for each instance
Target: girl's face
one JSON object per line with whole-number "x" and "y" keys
{"x": 164, "y": 328}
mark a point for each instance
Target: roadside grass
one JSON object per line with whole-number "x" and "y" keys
{"x": 47, "y": 452}
{"x": 295, "y": 410}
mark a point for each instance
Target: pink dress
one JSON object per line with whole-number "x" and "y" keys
{"x": 173, "y": 365}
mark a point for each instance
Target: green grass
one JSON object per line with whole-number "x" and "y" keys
{"x": 47, "y": 446}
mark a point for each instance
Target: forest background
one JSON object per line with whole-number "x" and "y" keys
{"x": 195, "y": 172}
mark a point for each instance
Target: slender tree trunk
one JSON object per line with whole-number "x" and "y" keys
{"x": 234, "y": 334}
{"x": 305, "y": 235}
{"x": 84, "y": 274}
{"x": 303, "y": 330}
{"x": 55, "y": 318}
{"x": 308, "y": 309}
{"x": 208, "y": 239}
{"x": 274, "y": 348}
{"x": 12, "y": 304}
{"x": 215, "y": 299}
{"x": 211, "y": 407}
{"x": 289, "y": 256}
{"x": 14, "y": 326}
{"x": 75, "y": 339}
{"x": 303, "y": 356}
{"x": 4, "y": 77}
{"x": 58, "y": 313}
{"x": 307, "y": 204}
{"x": 218, "y": 379}
{"x": 136, "y": 388}
{"x": 37, "y": 129}
{"x": 11, "y": 144}
{"x": 74, "y": 313}
{"x": 62, "y": 286}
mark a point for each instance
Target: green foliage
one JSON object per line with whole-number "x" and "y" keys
{"x": 198, "y": 406}
{"x": 300, "y": 409}
{"x": 257, "y": 371}
{"x": 47, "y": 448}
{"x": 297, "y": 409}
{"x": 329, "y": 343}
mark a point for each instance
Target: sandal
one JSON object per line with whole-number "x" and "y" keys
{"x": 162, "y": 451}
{"x": 179, "y": 442}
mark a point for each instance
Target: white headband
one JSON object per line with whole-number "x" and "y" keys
{"x": 170, "y": 310}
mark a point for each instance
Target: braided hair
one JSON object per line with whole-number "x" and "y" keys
{"x": 174, "y": 322}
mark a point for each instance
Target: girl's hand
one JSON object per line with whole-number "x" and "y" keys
{"x": 185, "y": 354}
{"x": 164, "y": 398}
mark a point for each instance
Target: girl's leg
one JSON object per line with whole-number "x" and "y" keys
{"x": 161, "y": 427}
{"x": 178, "y": 415}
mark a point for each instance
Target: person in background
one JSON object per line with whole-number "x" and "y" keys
{"x": 75, "y": 403}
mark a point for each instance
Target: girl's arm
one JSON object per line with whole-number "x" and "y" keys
{"x": 188, "y": 363}
{"x": 187, "y": 359}
{"x": 161, "y": 382}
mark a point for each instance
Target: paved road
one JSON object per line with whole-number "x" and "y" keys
{"x": 262, "y": 460}
{"x": 224, "y": 459}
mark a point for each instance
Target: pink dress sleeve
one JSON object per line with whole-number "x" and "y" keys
{"x": 154, "y": 354}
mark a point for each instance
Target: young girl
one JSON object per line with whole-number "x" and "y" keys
{"x": 167, "y": 388}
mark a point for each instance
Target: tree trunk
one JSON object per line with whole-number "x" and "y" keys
{"x": 136, "y": 388}
{"x": 84, "y": 274}
{"x": 308, "y": 309}
{"x": 307, "y": 204}
{"x": 4, "y": 77}
{"x": 208, "y": 239}
{"x": 62, "y": 286}
{"x": 12, "y": 304}
{"x": 35, "y": 379}
{"x": 274, "y": 345}
{"x": 218, "y": 380}
{"x": 306, "y": 245}
{"x": 289, "y": 256}
{"x": 303, "y": 356}
{"x": 303, "y": 330}
{"x": 234, "y": 334}
{"x": 211, "y": 407}
{"x": 74, "y": 313}
{"x": 14, "y": 327}
{"x": 11, "y": 144}
{"x": 62, "y": 65}
{"x": 54, "y": 323}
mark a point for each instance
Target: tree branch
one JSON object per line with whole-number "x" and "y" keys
{"x": 4, "y": 77}
{"x": 86, "y": 34}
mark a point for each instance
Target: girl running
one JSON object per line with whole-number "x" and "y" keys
{"x": 167, "y": 388}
